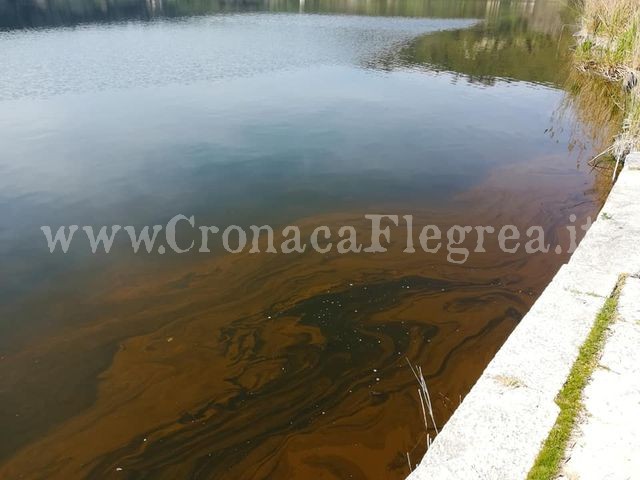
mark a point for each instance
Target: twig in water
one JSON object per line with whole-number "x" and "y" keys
{"x": 591, "y": 162}
{"x": 423, "y": 393}
{"x": 615, "y": 169}
{"x": 424, "y": 414}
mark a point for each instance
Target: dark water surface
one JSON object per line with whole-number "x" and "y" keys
{"x": 267, "y": 366}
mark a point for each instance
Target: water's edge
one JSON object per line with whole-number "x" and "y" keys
{"x": 500, "y": 426}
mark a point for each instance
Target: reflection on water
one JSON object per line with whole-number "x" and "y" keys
{"x": 37, "y": 13}
{"x": 523, "y": 41}
{"x": 266, "y": 366}
{"x": 598, "y": 105}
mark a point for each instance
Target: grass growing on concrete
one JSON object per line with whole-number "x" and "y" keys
{"x": 546, "y": 466}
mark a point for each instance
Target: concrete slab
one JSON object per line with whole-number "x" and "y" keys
{"x": 606, "y": 444}
{"x": 542, "y": 350}
{"x": 633, "y": 161}
{"x": 611, "y": 244}
{"x": 482, "y": 438}
{"x": 629, "y": 303}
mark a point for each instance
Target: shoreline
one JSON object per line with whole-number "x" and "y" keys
{"x": 516, "y": 421}
{"x": 499, "y": 428}
{"x": 608, "y": 46}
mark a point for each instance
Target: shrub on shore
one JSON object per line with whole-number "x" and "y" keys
{"x": 609, "y": 45}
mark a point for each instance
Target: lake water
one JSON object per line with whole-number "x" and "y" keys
{"x": 314, "y": 113}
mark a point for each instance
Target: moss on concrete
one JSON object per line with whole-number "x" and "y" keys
{"x": 547, "y": 464}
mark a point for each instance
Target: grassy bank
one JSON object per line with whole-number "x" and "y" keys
{"x": 569, "y": 399}
{"x": 609, "y": 46}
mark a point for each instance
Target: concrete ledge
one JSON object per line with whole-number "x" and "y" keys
{"x": 633, "y": 161}
{"x": 606, "y": 442}
{"x": 629, "y": 303}
{"x": 612, "y": 243}
{"x": 499, "y": 428}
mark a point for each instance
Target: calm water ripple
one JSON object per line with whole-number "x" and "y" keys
{"x": 267, "y": 366}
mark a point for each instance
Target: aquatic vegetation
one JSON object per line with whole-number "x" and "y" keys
{"x": 609, "y": 46}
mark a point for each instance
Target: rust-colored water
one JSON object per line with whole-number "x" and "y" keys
{"x": 277, "y": 366}
{"x": 270, "y": 365}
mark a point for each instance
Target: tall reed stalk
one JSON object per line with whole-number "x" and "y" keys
{"x": 609, "y": 45}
